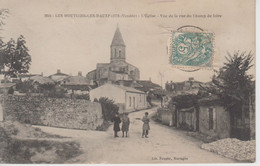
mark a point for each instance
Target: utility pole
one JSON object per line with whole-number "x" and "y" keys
{"x": 161, "y": 75}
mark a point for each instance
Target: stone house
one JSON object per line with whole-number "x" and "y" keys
{"x": 59, "y": 76}
{"x": 76, "y": 84}
{"x": 214, "y": 120}
{"x": 128, "y": 99}
{"x": 187, "y": 119}
{"x": 191, "y": 86}
{"x": 41, "y": 83}
{"x": 41, "y": 80}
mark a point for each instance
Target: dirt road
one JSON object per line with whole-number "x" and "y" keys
{"x": 164, "y": 145}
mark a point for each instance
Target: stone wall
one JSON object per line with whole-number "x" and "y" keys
{"x": 165, "y": 116}
{"x": 54, "y": 112}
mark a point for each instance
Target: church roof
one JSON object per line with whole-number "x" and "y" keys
{"x": 118, "y": 39}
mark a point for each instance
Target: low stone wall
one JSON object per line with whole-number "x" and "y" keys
{"x": 54, "y": 112}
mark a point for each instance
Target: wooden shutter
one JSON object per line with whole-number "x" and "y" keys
{"x": 211, "y": 122}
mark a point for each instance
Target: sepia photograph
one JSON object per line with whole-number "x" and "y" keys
{"x": 127, "y": 82}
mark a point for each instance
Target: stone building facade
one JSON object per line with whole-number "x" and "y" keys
{"x": 128, "y": 99}
{"x": 118, "y": 68}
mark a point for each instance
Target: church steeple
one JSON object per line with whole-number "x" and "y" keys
{"x": 117, "y": 46}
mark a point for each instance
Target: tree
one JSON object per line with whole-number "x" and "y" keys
{"x": 232, "y": 82}
{"x": 15, "y": 58}
{"x": 3, "y": 15}
{"x": 109, "y": 108}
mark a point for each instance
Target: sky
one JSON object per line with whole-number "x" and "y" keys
{"x": 77, "y": 44}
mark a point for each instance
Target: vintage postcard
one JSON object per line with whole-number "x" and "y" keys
{"x": 127, "y": 81}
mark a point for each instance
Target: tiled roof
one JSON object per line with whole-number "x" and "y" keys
{"x": 59, "y": 74}
{"x": 129, "y": 83}
{"x": 27, "y": 75}
{"x": 42, "y": 80}
{"x": 76, "y": 80}
{"x": 76, "y": 87}
{"x": 128, "y": 89}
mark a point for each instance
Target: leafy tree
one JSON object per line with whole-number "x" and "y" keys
{"x": 185, "y": 101}
{"x": 109, "y": 108}
{"x": 15, "y": 56}
{"x": 232, "y": 83}
{"x": 3, "y": 15}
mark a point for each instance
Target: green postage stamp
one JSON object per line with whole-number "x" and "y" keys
{"x": 191, "y": 49}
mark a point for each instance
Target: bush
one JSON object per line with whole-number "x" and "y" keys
{"x": 11, "y": 91}
{"x": 57, "y": 92}
{"x": 109, "y": 108}
{"x": 83, "y": 96}
{"x": 104, "y": 126}
{"x": 25, "y": 87}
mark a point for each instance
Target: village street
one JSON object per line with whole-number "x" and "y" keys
{"x": 164, "y": 145}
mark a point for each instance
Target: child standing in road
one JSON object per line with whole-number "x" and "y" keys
{"x": 146, "y": 126}
{"x": 116, "y": 121}
{"x": 125, "y": 124}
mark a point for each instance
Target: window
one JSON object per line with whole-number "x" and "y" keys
{"x": 130, "y": 102}
{"x": 115, "y": 52}
{"x": 134, "y": 102}
{"x": 140, "y": 98}
{"x": 119, "y": 53}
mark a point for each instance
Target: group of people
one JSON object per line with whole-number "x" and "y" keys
{"x": 126, "y": 122}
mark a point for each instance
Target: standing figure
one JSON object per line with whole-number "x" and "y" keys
{"x": 146, "y": 126}
{"x": 116, "y": 121}
{"x": 125, "y": 124}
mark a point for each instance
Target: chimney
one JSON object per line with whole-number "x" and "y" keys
{"x": 42, "y": 74}
{"x": 150, "y": 79}
{"x": 79, "y": 73}
{"x": 58, "y": 71}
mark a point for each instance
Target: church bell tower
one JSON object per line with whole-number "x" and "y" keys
{"x": 117, "y": 47}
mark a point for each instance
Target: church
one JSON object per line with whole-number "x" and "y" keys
{"x": 118, "y": 68}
